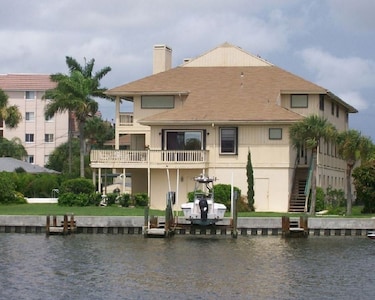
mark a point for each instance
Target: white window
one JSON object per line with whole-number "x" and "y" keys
{"x": 30, "y": 159}
{"x": 29, "y": 137}
{"x": 275, "y": 134}
{"x": 299, "y": 101}
{"x": 48, "y": 138}
{"x": 228, "y": 140}
{"x": 29, "y": 116}
{"x": 30, "y": 95}
{"x": 157, "y": 102}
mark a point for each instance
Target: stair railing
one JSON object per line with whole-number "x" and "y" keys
{"x": 294, "y": 177}
{"x": 308, "y": 182}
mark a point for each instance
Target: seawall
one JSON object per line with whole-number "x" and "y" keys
{"x": 318, "y": 226}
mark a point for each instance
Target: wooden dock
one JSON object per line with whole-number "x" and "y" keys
{"x": 294, "y": 228}
{"x": 65, "y": 226}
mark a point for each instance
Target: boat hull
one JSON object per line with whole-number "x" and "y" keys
{"x": 371, "y": 235}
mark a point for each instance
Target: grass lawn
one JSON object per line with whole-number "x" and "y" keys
{"x": 54, "y": 209}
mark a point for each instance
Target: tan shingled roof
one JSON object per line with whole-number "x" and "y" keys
{"x": 26, "y": 82}
{"x": 223, "y": 85}
{"x": 220, "y": 94}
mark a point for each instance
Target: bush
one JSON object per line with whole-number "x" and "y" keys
{"x": 7, "y": 189}
{"x": 320, "y": 205}
{"x": 141, "y": 199}
{"x": 125, "y": 200}
{"x": 364, "y": 182}
{"x": 222, "y": 194}
{"x": 77, "y": 186}
{"x": 243, "y": 205}
{"x": 94, "y": 199}
{"x": 71, "y": 199}
{"x": 112, "y": 198}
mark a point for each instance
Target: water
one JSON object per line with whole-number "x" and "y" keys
{"x": 103, "y": 266}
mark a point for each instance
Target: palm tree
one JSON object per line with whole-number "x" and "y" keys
{"x": 10, "y": 114}
{"x": 352, "y": 147}
{"x": 309, "y": 132}
{"x": 75, "y": 93}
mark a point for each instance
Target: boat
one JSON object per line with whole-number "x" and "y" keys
{"x": 371, "y": 235}
{"x": 203, "y": 210}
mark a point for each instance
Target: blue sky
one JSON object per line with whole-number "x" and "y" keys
{"x": 329, "y": 42}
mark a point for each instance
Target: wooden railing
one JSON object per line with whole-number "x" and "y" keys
{"x": 149, "y": 156}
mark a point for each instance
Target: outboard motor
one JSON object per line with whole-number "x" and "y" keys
{"x": 203, "y": 205}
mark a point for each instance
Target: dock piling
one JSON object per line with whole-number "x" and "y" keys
{"x": 67, "y": 226}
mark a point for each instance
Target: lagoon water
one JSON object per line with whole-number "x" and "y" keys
{"x": 101, "y": 266}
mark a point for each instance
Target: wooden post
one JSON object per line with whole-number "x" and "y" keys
{"x": 304, "y": 224}
{"x": 285, "y": 225}
{"x": 65, "y": 230}
{"x": 54, "y": 224}
{"x": 48, "y": 225}
{"x": 72, "y": 225}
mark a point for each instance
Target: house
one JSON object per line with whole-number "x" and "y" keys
{"x": 10, "y": 164}
{"x": 38, "y": 135}
{"x": 205, "y": 115}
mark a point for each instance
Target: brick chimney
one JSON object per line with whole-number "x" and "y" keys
{"x": 162, "y": 58}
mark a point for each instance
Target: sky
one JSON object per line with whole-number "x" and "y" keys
{"x": 328, "y": 42}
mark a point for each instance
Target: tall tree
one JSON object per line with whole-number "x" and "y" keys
{"x": 352, "y": 147}
{"x": 10, "y": 114}
{"x": 75, "y": 93}
{"x": 98, "y": 131}
{"x": 309, "y": 132}
{"x": 250, "y": 182}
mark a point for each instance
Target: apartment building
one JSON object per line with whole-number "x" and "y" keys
{"x": 39, "y": 136}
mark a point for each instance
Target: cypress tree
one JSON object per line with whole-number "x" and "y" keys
{"x": 250, "y": 182}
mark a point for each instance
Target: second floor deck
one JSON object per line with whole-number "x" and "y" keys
{"x": 149, "y": 159}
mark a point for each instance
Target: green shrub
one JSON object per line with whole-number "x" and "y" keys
{"x": 140, "y": 199}
{"x": 364, "y": 182}
{"x": 222, "y": 194}
{"x": 77, "y": 186}
{"x": 335, "y": 198}
{"x": 94, "y": 199}
{"x": 72, "y": 199}
{"x": 125, "y": 200}
{"x": 320, "y": 205}
{"x": 7, "y": 189}
{"x": 112, "y": 198}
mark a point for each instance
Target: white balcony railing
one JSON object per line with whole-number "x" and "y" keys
{"x": 126, "y": 119}
{"x": 154, "y": 157}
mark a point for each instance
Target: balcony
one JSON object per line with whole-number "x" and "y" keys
{"x": 190, "y": 159}
{"x": 126, "y": 119}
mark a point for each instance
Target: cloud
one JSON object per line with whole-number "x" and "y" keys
{"x": 355, "y": 16}
{"x": 343, "y": 76}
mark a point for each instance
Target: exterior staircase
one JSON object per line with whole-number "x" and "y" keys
{"x": 298, "y": 197}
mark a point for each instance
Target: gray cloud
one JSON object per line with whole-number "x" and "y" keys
{"x": 328, "y": 42}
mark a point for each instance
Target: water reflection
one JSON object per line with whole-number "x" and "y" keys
{"x": 185, "y": 267}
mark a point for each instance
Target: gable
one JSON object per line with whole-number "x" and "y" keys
{"x": 227, "y": 55}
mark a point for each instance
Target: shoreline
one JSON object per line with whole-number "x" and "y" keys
{"x": 317, "y": 226}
